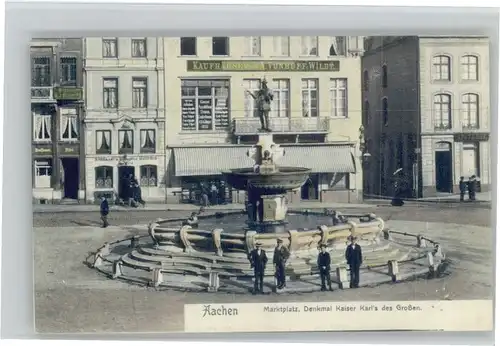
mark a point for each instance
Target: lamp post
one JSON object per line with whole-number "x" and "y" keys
{"x": 365, "y": 157}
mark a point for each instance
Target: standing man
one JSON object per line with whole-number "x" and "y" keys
{"x": 214, "y": 192}
{"x": 104, "y": 209}
{"x": 472, "y": 185}
{"x": 462, "y": 185}
{"x": 324, "y": 262}
{"x": 354, "y": 258}
{"x": 258, "y": 261}
{"x": 281, "y": 255}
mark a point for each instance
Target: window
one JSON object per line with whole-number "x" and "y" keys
{"x": 310, "y": 97}
{"x": 385, "y": 111}
{"x": 204, "y": 105}
{"x": 110, "y": 47}
{"x": 188, "y": 45}
{"x": 469, "y": 67}
{"x": 149, "y": 176}
{"x": 441, "y": 68}
{"x": 69, "y": 124}
{"x": 41, "y": 127}
{"x": 366, "y": 80}
{"x": 338, "y": 97}
{"x": 281, "y": 101}
{"x": 309, "y": 45}
{"x": 470, "y": 107}
{"x": 40, "y": 72}
{"x": 366, "y": 113}
{"x": 110, "y": 92}
{"x": 252, "y": 44}
{"x": 353, "y": 43}
{"x": 139, "y": 92}
{"x": 442, "y": 111}
{"x": 281, "y": 45}
{"x": 148, "y": 141}
{"x": 253, "y": 86}
{"x": 43, "y": 173}
{"x": 126, "y": 141}
{"x": 337, "y": 46}
{"x": 68, "y": 71}
{"x": 220, "y": 45}
{"x": 103, "y": 142}
{"x": 104, "y": 177}
{"x": 384, "y": 76}
{"x": 139, "y": 48}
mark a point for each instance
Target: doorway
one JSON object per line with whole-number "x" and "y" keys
{"x": 71, "y": 169}
{"x": 309, "y": 191}
{"x": 444, "y": 167}
{"x": 124, "y": 172}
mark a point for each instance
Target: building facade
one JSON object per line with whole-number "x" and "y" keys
{"x": 212, "y": 118}
{"x": 124, "y": 116}
{"x": 426, "y": 110}
{"x": 56, "y": 95}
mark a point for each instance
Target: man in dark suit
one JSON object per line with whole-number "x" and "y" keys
{"x": 324, "y": 262}
{"x": 104, "y": 209}
{"x": 280, "y": 257}
{"x": 258, "y": 261}
{"x": 463, "y": 187}
{"x": 354, "y": 258}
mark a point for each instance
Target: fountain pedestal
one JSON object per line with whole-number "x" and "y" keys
{"x": 274, "y": 208}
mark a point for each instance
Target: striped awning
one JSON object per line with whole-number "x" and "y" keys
{"x": 209, "y": 161}
{"x": 196, "y": 161}
{"x": 320, "y": 158}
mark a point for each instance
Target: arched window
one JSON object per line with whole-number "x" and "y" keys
{"x": 104, "y": 177}
{"x": 366, "y": 80}
{"x": 385, "y": 111}
{"x": 442, "y": 111}
{"x": 470, "y": 111}
{"x": 366, "y": 113}
{"x": 149, "y": 175}
{"x": 384, "y": 76}
{"x": 469, "y": 69}
{"x": 441, "y": 68}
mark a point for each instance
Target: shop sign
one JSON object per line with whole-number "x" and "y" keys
{"x": 42, "y": 150}
{"x": 471, "y": 137}
{"x": 69, "y": 149}
{"x": 263, "y": 66}
{"x": 128, "y": 159}
{"x": 68, "y": 93}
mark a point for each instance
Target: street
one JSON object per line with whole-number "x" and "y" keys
{"x": 70, "y": 297}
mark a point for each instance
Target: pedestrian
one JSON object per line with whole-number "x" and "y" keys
{"x": 192, "y": 220}
{"x": 104, "y": 209}
{"x": 472, "y": 188}
{"x": 258, "y": 261}
{"x": 281, "y": 255}
{"x": 354, "y": 258}
{"x": 214, "y": 192}
{"x": 462, "y": 185}
{"x": 324, "y": 262}
{"x": 337, "y": 218}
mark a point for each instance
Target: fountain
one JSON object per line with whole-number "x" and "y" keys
{"x": 214, "y": 256}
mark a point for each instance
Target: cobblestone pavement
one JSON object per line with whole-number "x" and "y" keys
{"x": 73, "y": 298}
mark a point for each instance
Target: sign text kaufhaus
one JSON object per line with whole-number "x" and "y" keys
{"x": 260, "y": 65}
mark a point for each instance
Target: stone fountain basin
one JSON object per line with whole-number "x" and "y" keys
{"x": 285, "y": 179}
{"x": 176, "y": 238}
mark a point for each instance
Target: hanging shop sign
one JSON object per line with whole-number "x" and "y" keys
{"x": 42, "y": 150}
{"x": 471, "y": 137}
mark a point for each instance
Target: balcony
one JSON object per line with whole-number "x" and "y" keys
{"x": 42, "y": 94}
{"x": 470, "y": 127}
{"x": 251, "y": 126}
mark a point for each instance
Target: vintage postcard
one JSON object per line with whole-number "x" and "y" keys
{"x": 262, "y": 183}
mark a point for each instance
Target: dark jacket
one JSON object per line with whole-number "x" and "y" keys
{"x": 354, "y": 257}
{"x": 324, "y": 260}
{"x": 472, "y": 185}
{"x": 257, "y": 262}
{"x": 104, "y": 207}
{"x": 281, "y": 255}
{"x": 463, "y": 186}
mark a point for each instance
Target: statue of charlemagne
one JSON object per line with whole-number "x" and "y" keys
{"x": 263, "y": 96}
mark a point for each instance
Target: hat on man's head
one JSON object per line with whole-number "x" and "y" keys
{"x": 352, "y": 237}
{"x": 322, "y": 245}
{"x": 258, "y": 243}
{"x": 279, "y": 240}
